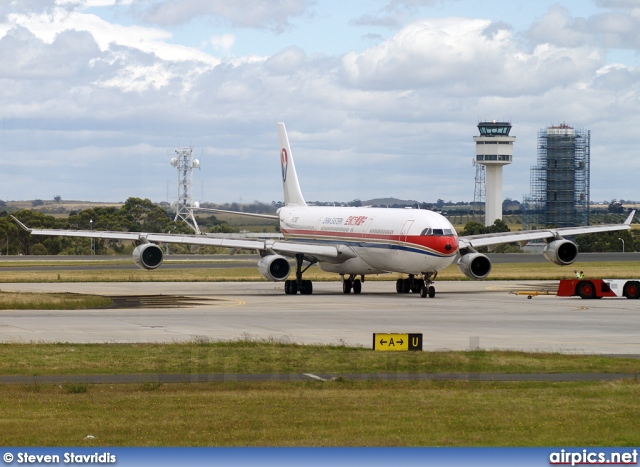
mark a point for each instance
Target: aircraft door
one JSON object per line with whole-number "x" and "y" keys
{"x": 403, "y": 237}
{"x": 405, "y": 230}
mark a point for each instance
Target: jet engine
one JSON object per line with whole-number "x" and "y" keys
{"x": 148, "y": 256}
{"x": 561, "y": 252}
{"x": 475, "y": 265}
{"x": 274, "y": 267}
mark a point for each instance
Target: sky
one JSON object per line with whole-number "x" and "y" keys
{"x": 381, "y": 98}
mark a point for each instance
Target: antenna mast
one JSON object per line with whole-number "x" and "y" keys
{"x": 184, "y": 205}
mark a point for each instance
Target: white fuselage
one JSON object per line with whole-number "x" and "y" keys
{"x": 410, "y": 241}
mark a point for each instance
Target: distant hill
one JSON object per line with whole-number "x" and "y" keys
{"x": 389, "y": 202}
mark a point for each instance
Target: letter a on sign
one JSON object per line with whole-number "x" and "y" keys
{"x": 397, "y": 342}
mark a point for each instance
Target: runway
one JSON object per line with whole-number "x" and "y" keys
{"x": 463, "y": 315}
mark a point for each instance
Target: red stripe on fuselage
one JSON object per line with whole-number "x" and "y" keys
{"x": 437, "y": 244}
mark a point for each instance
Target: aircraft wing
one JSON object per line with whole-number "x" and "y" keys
{"x": 237, "y": 242}
{"x": 525, "y": 236}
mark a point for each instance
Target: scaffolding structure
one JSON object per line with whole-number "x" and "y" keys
{"x": 560, "y": 183}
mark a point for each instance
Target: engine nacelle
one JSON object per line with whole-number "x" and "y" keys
{"x": 274, "y": 268}
{"x": 148, "y": 256}
{"x": 561, "y": 252}
{"x": 475, "y": 265}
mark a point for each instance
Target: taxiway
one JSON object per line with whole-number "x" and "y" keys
{"x": 463, "y": 315}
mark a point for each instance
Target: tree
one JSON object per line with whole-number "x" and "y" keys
{"x": 475, "y": 228}
{"x": 142, "y": 214}
{"x": 608, "y": 241}
{"x": 616, "y": 207}
{"x": 136, "y": 215}
{"x": 39, "y": 250}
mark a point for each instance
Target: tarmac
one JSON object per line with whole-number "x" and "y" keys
{"x": 464, "y": 315}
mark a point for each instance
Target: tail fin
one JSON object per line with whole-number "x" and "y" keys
{"x": 292, "y": 193}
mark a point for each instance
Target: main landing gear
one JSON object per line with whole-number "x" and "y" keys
{"x": 293, "y": 286}
{"x": 421, "y": 285}
{"x": 352, "y": 283}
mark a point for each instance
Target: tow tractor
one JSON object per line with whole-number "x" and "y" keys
{"x": 598, "y": 288}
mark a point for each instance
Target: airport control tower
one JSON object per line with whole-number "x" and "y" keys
{"x": 494, "y": 148}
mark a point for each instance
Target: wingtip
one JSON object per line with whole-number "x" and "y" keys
{"x": 630, "y": 218}
{"x": 20, "y": 223}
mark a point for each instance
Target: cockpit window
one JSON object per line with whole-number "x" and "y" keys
{"x": 437, "y": 232}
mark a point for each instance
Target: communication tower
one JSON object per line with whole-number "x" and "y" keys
{"x": 184, "y": 205}
{"x": 479, "y": 192}
{"x": 494, "y": 149}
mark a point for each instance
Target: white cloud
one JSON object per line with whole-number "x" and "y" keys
{"x": 616, "y": 29}
{"x": 151, "y": 40}
{"x": 224, "y": 42}
{"x": 462, "y": 57}
{"x": 260, "y": 14}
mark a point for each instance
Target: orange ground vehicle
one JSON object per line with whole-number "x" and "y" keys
{"x": 598, "y": 288}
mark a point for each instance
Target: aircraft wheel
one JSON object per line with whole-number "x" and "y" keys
{"x": 406, "y": 285}
{"x": 632, "y": 290}
{"x": 399, "y": 286}
{"x": 287, "y": 287}
{"x": 432, "y": 291}
{"x": 357, "y": 286}
{"x": 306, "y": 287}
{"x": 586, "y": 290}
{"x": 346, "y": 286}
{"x": 423, "y": 292}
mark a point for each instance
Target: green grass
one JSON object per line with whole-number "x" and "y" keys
{"x": 340, "y": 412}
{"x": 517, "y": 271}
{"x": 264, "y": 357}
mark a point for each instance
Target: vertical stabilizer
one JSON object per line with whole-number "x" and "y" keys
{"x": 292, "y": 193}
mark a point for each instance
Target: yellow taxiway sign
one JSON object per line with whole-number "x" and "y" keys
{"x": 396, "y": 342}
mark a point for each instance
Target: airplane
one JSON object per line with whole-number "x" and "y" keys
{"x": 354, "y": 242}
